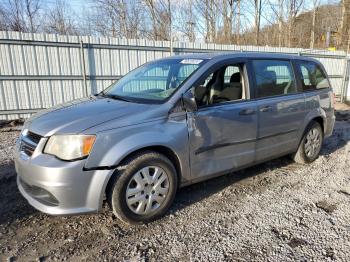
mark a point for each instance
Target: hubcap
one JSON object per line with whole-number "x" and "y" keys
{"x": 147, "y": 190}
{"x": 312, "y": 143}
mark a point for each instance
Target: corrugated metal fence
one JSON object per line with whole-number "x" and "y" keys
{"x": 41, "y": 70}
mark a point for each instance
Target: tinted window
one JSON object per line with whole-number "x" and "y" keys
{"x": 312, "y": 76}
{"x": 274, "y": 78}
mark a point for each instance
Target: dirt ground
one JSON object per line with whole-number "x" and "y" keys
{"x": 277, "y": 211}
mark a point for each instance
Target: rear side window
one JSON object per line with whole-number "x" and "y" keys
{"x": 312, "y": 76}
{"x": 273, "y": 78}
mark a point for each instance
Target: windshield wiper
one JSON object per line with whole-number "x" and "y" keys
{"x": 116, "y": 97}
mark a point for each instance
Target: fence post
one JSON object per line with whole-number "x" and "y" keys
{"x": 84, "y": 67}
{"x": 171, "y": 44}
{"x": 345, "y": 80}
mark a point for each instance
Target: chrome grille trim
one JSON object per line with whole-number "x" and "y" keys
{"x": 34, "y": 137}
{"x": 29, "y": 143}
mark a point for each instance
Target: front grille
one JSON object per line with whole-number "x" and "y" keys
{"x": 34, "y": 137}
{"x": 29, "y": 143}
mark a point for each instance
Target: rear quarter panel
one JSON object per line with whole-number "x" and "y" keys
{"x": 319, "y": 103}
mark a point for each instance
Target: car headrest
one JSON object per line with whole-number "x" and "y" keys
{"x": 270, "y": 77}
{"x": 200, "y": 92}
{"x": 235, "y": 78}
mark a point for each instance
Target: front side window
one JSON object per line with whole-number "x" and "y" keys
{"x": 155, "y": 81}
{"x": 224, "y": 85}
{"x": 273, "y": 78}
{"x": 312, "y": 77}
{"x": 229, "y": 71}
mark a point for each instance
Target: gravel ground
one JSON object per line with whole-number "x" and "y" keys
{"x": 277, "y": 211}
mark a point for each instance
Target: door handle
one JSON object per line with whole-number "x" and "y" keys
{"x": 247, "y": 112}
{"x": 266, "y": 109}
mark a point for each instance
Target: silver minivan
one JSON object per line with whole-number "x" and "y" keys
{"x": 171, "y": 123}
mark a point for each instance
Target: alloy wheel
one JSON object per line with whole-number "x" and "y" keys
{"x": 312, "y": 143}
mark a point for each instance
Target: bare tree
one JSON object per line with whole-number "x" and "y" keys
{"x": 344, "y": 24}
{"x": 3, "y": 19}
{"x": 257, "y": 19}
{"x": 316, "y": 4}
{"x": 119, "y": 18}
{"x": 238, "y": 39}
{"x": 60, "y": 20}
{"x": 260, "y": 22}
{"x": 294, "y": 7}
{"x": 154, "y": 15}
{"x": 16, "y": 19}
{"x": 280, "y": 22}
{"x": 160, "y": 18}
{"x": 209, "y": 12}
{"x": 20, "y": 15}
{"x": 278, "y": 11}
{"x": 228, "y": 12}
{"x": 184, "y": 19}
{"x": 32, "y": 8}
{"x": 212, "y": 11}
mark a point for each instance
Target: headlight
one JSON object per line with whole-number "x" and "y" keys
{"x": 70, "y": 147}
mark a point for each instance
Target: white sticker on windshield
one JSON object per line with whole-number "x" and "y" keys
{"x": 191, "y": 61}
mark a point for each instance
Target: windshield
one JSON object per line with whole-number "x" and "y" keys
{"x": 154, "y": 81}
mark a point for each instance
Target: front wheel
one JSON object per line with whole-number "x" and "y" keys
{"x": 143, "y": 189}
{"x": 310, "y": 145}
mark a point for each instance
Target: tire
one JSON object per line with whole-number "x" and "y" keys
{"x": 137, "y": 177}
{"x": 312, "y": 138}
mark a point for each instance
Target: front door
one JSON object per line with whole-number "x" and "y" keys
{"x": 222, "y": 132}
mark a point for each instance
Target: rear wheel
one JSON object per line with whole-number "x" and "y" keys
{"x": 143, "y": 189}
{"x": 310, "y": 145}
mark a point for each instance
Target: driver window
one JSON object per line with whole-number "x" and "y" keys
{"x": 223, "y": 85}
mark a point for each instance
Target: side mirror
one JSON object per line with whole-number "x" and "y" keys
{"x": 189, "y": 101}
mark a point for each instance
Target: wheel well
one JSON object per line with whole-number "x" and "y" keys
{"x": 320, "y": 121}
{"x": 170, "y": 154}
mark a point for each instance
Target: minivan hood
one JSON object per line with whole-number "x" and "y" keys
{"x": 78, "y": 115}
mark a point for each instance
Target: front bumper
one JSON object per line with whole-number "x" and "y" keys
{"x": 58, "y": 187}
